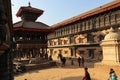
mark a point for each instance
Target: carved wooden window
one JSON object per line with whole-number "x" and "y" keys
{"x": 57, "y": 32}
{"x": 90, "y": 24}
{"x": 81, "y": 26}
{"x": 84, "y": 25}
{"x": 73, "y": 28}
{"x": 76, "y": 27}
{"x": 101, "y": 37}
{"x": 106, "y": 19}
{"x": 118, "y": 16}
{"x": 62, "y": 31}
{"x": 81, "y": 52}
{"x": 94, "y": 23}
{"x": 66, "y": 52}
{"x": 97, "y": 22}
{"x": 101, "y": 21}
{"x": 90, "y": 38}
{"x": 55, "y": 43}
{"x": 65, "y": 41}
{"x": 87, "y": 24}
{"x": 79, "y": 29}
{"x": 55, "y": 51}
{"x": 69, "y": 28}
{"x": 51, "y": 42}
{"x": 65, "y": 30}
{"x": 59, "y": 42}
{"x": 80, "y": 40}
{"x": 113, "y": 18}
{"x": 72, "y": 39}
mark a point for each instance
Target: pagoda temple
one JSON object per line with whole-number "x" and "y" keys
{"x": 30, "y": 36}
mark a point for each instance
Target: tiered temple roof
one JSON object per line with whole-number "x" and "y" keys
{"x": 29, "y": 16}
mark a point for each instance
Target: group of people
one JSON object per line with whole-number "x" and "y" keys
{"x": 81, "y": 61}
{"x": 112, "y": 75}
{"x": 62, "y": 59}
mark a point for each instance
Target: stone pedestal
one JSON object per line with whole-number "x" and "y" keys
{"x": 111, "y": 48}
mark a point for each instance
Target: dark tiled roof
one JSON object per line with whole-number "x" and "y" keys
{"x": 36, "y": 25}
{"x": 18, "y": 24}
{"x": 92, "y": 12}
{"x": 30, "y": 9}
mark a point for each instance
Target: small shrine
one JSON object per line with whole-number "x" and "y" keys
{"x": 111, "y": 48}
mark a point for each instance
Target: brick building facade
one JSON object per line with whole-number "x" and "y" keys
{"x": 82, "y": 34}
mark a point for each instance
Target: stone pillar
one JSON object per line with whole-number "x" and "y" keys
{"x": 111, "y": 48}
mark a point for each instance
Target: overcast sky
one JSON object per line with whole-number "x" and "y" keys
{"x": 56, "y": 11}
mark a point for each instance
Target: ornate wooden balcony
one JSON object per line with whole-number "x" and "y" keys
{"x": 31, "y": 41}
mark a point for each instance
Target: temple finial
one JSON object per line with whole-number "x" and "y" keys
{"x": 29, "y": 4}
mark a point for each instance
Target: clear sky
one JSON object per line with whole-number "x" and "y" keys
{"x": 56, "y": 11}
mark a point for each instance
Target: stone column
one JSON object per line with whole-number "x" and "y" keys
{"x": 111, "y": 48}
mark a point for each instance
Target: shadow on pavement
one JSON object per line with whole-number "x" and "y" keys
{"x": 75, "y": 78}
{"x": 76, "y": 65}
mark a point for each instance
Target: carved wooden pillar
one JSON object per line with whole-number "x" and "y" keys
{"x": 6, "y": 67}
{"x": 43, "y": 51}
{"x": 2, "y": 23}
{"x": 71, "y": 51}
{"x": 6, "y": 72}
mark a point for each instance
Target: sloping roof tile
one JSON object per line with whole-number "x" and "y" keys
{"x": 92, "y": 12}
{"x": 36, "y": 25}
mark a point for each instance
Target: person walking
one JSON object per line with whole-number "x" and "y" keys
{"x": 79, "y": 61}
{"x": 87, "y": 75}
{"x": 112, "y": 75}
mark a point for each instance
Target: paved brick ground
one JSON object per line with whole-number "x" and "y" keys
{"x": 69, "y": 72}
